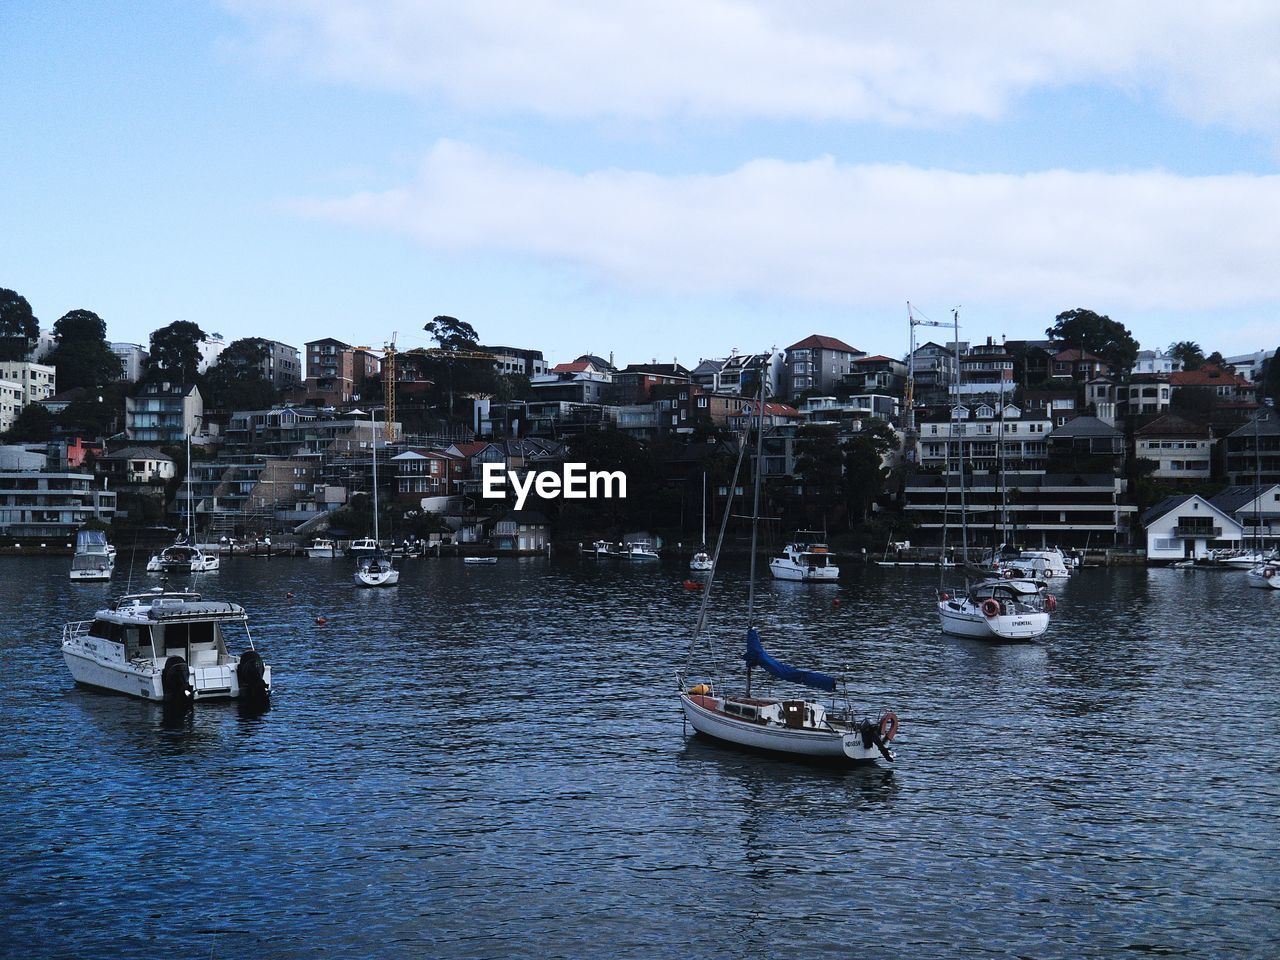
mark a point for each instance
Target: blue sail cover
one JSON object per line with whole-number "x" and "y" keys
{"x": 757, "y": 657}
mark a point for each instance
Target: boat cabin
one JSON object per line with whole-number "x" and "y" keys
{"x": 153, "y": 626}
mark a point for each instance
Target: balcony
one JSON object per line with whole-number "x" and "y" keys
{"x": 1197, "y": 532}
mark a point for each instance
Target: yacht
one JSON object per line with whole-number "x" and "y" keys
{"x": 94, "y": 558}
{"x": 373, "y": 567}
{"x": 641, "y": 550}
{"x": 183, "y": 557}
{"x": 323, "y": 549}
{"x": 166, "y": 646}
{"x": 364, "y": 547}
{"x": 1005, "y": 609}
{"x": 805, "y": 559}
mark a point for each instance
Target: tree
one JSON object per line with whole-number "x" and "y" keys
{"x": 18, "y": 326}
{"x": 864, "y": 470}
{"x": 1098, "y": 334}
{"x": 819, "y": 463}
{"x": 451, "y": 333}
{"x": 236, "y": 381}
{"x": 34, "y": 424}
{"x": 96, "y": 413}
{"x": 175, "y": 350}
{"x": 1189, "y": 352}
{"x": 81, "y": 353}
{"x": 459, "y": 365}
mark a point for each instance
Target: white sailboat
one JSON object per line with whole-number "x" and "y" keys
{"x": 701, "y": 561}
{"x": 375, "y": 569}
{"x": 795, "y": 726}
{"x": 184, "y": 555}
{"x": 1000, "y": 608}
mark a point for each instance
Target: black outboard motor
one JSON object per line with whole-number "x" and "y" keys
{"x": 175, "y": 680}
{"x": 250, "y": 672}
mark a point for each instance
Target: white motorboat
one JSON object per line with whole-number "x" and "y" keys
{"x": 1264, "y": 575}
{"x": 323, "y": 549}
{"x": 364, "y": 547}
{"x": 94, "y": 558}
{"x": 1237, "y": 559}
{"x": 1056, "y": 564}
{"x": 787, "y": 725}
{"x": 805, "y": 559}
{"x": 374, "y": 569}
{"x": 604, "y": 549}
{"x": 168, "y": 647}
{"x": 641, "y": 550}
{"x": 477, "y": 561}
{"x": 182, "y": 557}
{"x": 1007, "y": 609}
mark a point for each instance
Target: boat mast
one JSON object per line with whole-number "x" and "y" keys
{"x": 755, "y": 511}
{"x": 964, "y": 516}
{"x": 704, "y": 509}
{"x": 373, "y": 445}
{"x": 190, "y": 536}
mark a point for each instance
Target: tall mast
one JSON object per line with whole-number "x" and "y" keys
{"x": 190, "y": 535}
{"x": 373, "y": 444}
{"x": 964, "y": 516}
{"x": 755, "y": 506}
{"x": 704, "y": 509}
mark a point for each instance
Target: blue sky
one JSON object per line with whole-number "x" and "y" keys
{"x": 653, "y": 179}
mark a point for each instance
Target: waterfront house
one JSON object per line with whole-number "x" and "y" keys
{"x": 1186, "y": 527}
{"x": 876, "y": 375}
{"x": 136, "y": 466}
{"x": 636, "y": 382}
{"x": 423, "y": 473}
{"x": 817, "y": 363}
{"x": 1181, "y": 449}
{"x": 1156, "y": 361}
{"x": 1057, "y": 404}
{"x": 1086, "y": 443}
{"x": 1256, "y": 507}
{"x": 54, "y": 505}
{"x": 1070, "y": 510}
{"x": 1147, "y": 394}
{"x": 987, "y": 436}
{"x": 986, "y": 370}
{"x": 522, "y": 531}
{"x": 578, "y": 382}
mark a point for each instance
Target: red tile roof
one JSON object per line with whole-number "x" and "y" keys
{"x": 817, "y": 341}
{"x": 1210, "y": 375}
{"x": 578, "y": 366}
{"x": 878, "y": 357}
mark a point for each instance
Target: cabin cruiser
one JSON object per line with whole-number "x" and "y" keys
{"x": 323, "y": 549}
{"x": 166, "y": 646}
{"x": 364, "y": 547}
{"x": 806, "y": 560}
{"x": 641, "y": 550}
{"x": 182, "y": 557}
{"x": 94, "y": 558}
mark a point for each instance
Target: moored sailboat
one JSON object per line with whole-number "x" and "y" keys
{"x": 796, "y": 726}
{"x": 375, "y": 568}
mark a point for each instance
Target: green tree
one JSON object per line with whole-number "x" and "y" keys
{"x": 81, "y": 353}
{"x": 820, "y": 464}
{"x": 864, "y": 470}
{"x": 458, "y": 366}
{"x": 1189, "y": 352}
{"x": 33, "y": 424}
{"x": 175, "y": 351}
{"x": 1098, "y": 334}
{"x": 96, "y": 414}
{"x": 18, "y": 325}
{"x": 236, "y": 381}
{"x": 452, "y": 334}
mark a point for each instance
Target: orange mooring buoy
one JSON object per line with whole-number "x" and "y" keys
{"x": 289, "y": 595}
{"x": 835, "y": 602}
{"x": 321, "y": 621}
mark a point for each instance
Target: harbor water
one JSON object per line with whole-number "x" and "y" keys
{"x": 489, "y": 761}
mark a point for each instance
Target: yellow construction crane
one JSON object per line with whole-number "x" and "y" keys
{"x": 389, "y": 387}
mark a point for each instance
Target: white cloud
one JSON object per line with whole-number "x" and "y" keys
{"x": 823, "y": 232}
{"x": 825, "y": 60}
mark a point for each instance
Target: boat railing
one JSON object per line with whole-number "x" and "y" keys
{"x": 76, "y": 629}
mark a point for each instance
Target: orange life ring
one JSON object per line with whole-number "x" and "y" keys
{"x": 990, "y": 607}
{"x": 1051, "y": 603}
{"x": 888, "y": 726}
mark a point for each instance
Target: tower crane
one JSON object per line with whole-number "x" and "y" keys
{"x": 914, "y": 321}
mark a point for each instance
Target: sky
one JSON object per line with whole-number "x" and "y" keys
{"x": 658, "y": 180}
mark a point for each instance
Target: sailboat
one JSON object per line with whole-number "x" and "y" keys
{"x": 795, "y": 726}
{"x": 375, "y": 569}
{"x": 184, "y": 555}
{"x": 702, "y": 560}
{"x": 999, "y": 608}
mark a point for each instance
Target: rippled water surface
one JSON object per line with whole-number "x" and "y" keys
{"x": 490, "y": 762}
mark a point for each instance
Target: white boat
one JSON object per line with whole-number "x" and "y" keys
{"x": 374, "y": 569}
{"x": 1237, "y": 559}
{"x": 794, "y": 726}
{"x": 323, "y": 549}
{"x": 805, "y": 559}
{"x": 701, "y": 561}
{"x": 94, "y": 558}
{"x": 184, "y": 555}
{"x": 364, "y": 547}
{"x": 641, "y": 550}
{"x": 1006, "y": 609}
{"x": 168, "y": 647}
{"x": 1264, "y": 576}
{"x": 480, "y": 560}
{"x": 604, "y": 549}
{"x": 1057, "y": 565}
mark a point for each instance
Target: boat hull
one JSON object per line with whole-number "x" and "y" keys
{"x": 91, "y": 665}
{"x": 972, "y": 623}
{"x": 1264, "y": 578}
{"x": 823, "y": 744}
{"x": 786, "y": 570}
{"x": 387, "y": 579}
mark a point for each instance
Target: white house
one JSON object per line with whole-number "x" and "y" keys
{"x": 1180, "y": 449}
{"x": 1187, "y": 527}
